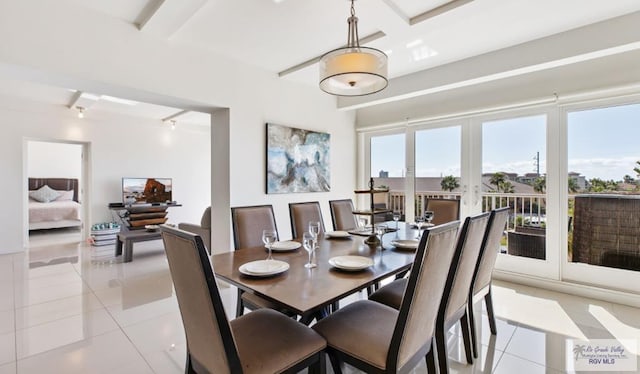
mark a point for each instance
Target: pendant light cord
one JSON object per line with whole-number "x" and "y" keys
{"x": 353, "y": 40}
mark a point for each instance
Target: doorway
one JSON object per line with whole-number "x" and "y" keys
{"x": 56, "y": 202}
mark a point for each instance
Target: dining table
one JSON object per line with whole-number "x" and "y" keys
{"x": 309, "y": 292}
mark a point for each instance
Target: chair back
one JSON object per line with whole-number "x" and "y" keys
{"x": 248, "y": 223}
{"x": 415, "y": 326}
{"x": 461, "y": 277}
{"x": 205, "y": 221}
{"x": 303, "y": 213}
{"x": 444, "y": 210}
{"x": 342, "y": 214}
{"x": 210, "y": 344}
{"x": 490, "y": 248}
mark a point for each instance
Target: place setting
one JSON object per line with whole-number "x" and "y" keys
{"x": 337, "y": 235}
{"x": 351, "y": 263}
{"x": 268, "y": 267}
{"x": 405, "y": 244}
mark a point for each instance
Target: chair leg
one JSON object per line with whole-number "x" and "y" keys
{"x": 188, "y": 368}
{"x": 319, "y": 367}
{"x": 472, "y": 327}
{"x": 466, "y": 337}
{"x": 488, "y": 300}
{"x": 336, "y": 365}
{"x": 431, "y": 358}
{"x": 239, "y": 304}
{"x": 441, "y": 349}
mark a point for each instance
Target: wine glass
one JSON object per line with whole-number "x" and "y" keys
{"x": 380, "y": 230}
{"x": 314, "y": 229}
{"x": 428, "y": 216}
{"x": 363, "y": 223}
{"x": 396, "y": 217}
{"x": 419, "y": 223}
{"x": 268, "y": 238}
{"x": 308, "y": 242}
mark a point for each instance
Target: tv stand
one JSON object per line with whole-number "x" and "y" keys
{"x": 136, "y": 217}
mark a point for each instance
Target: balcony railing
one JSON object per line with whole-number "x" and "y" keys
{"x": 527, "y": 209}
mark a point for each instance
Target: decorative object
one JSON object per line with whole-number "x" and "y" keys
{"x": 297, "y": 160}
{"x": 353, "y": 70}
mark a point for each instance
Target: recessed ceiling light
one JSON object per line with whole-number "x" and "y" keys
{"x": 278, "y": 1}
{"x": 414, "y": 43}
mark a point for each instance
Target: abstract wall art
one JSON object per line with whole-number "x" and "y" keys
{"x": 297, "y": 160}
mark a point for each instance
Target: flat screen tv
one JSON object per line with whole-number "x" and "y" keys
{"x": 146, "y": 190}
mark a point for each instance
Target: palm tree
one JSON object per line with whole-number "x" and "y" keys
{"x": 497, "y": 179}
{"x": 507, "y": 187}
{"x": 449, "y": 183}
{"x": 540, "y": 184}
{"x": 573, "y": 185}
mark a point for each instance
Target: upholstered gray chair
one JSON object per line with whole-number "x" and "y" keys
{"x": 379, "y": 339}
{"x": 264, "y": 341}
{"x": 248, "y": 223}
{"x": 204, "y": 229}
{"x": 482, "y": 282}
{"x": 342, "y": 214}
{"x": 444, "y": 210}
{"x": 454, "y": 305}
{"x": 303, "y": 213}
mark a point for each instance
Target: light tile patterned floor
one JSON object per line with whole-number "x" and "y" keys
{"x": 66, "y": 308}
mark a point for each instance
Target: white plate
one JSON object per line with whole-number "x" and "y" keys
{"x": 337, "y": 234}
{"x": 284, "y": 246}
{"x": 405, "y": 244}
{"x": 361, "y": 231}
{"x": 351, "y": 262}
{"x": 264, "y": 268}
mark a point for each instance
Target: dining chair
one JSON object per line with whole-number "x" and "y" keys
{"x": 379, "y": 339}
{"x": 303, "y": 213}
{"x": 444, "y": 210}
{"x": 482, "y": 280}
{"x": 342, "y": 215}
{"x": 264, "y": 341}
{"x": 454, "y": 304}
{"x": 248, "y": 222}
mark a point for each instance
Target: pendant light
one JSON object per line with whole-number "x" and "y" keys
{"x": 353, "y": 70}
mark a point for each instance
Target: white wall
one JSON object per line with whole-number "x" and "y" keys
{"x": 118, "y": 146}
{"x": 54, "y": 160}
{"x": 42, "y": 51}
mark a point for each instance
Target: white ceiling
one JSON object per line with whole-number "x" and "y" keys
{"x": 280, "y": 35}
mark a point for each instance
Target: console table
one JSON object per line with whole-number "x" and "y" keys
{"x": 136, "y": 217}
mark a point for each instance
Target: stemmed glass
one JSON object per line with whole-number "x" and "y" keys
{"x": 268, "y": 238}
{"x": 396, "y": 217}
{"x": 308, "y": 242}
{"x": 419, "y": 223}
{"x": 428, "y": 215}
{"x": 314, "y": 229}
{"x": 380, "y": 230}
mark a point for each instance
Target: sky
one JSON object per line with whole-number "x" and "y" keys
{"x": 602, "y": 143}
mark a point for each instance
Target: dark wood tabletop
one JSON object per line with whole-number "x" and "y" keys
{"x": 305, "y": 290}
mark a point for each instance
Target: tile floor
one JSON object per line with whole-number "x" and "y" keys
{"x": 66, "y": 307}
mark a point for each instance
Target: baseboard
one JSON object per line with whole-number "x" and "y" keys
{"x": 613, "y": 296}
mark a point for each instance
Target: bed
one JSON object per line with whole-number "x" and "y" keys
{"x": 60, "y": 208}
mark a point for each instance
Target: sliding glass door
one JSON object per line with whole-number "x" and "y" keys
{"x": 603, "y": 203}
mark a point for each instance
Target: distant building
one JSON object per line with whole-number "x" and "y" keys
{"x": 528, "y": 178}
{"x": 383, "y": 174}
{"x": 581, "y": 180}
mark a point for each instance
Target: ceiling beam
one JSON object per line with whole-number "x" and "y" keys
{"x": 302, "y": 65}
{"x": 437, "y": 11}
{"x": 175, "y": 115}
{"x": 74, "y": 99}
{"x": 396, "y": 9}
{"x": 148, "y": 12}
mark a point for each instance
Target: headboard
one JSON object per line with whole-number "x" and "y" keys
{"x": 61, "y": 184}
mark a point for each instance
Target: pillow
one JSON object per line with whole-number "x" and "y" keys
{"x": 45, "y": 194}
{"x": 64, "y": 195}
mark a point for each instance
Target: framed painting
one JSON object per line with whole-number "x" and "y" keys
{"x": 297, "y": 160}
